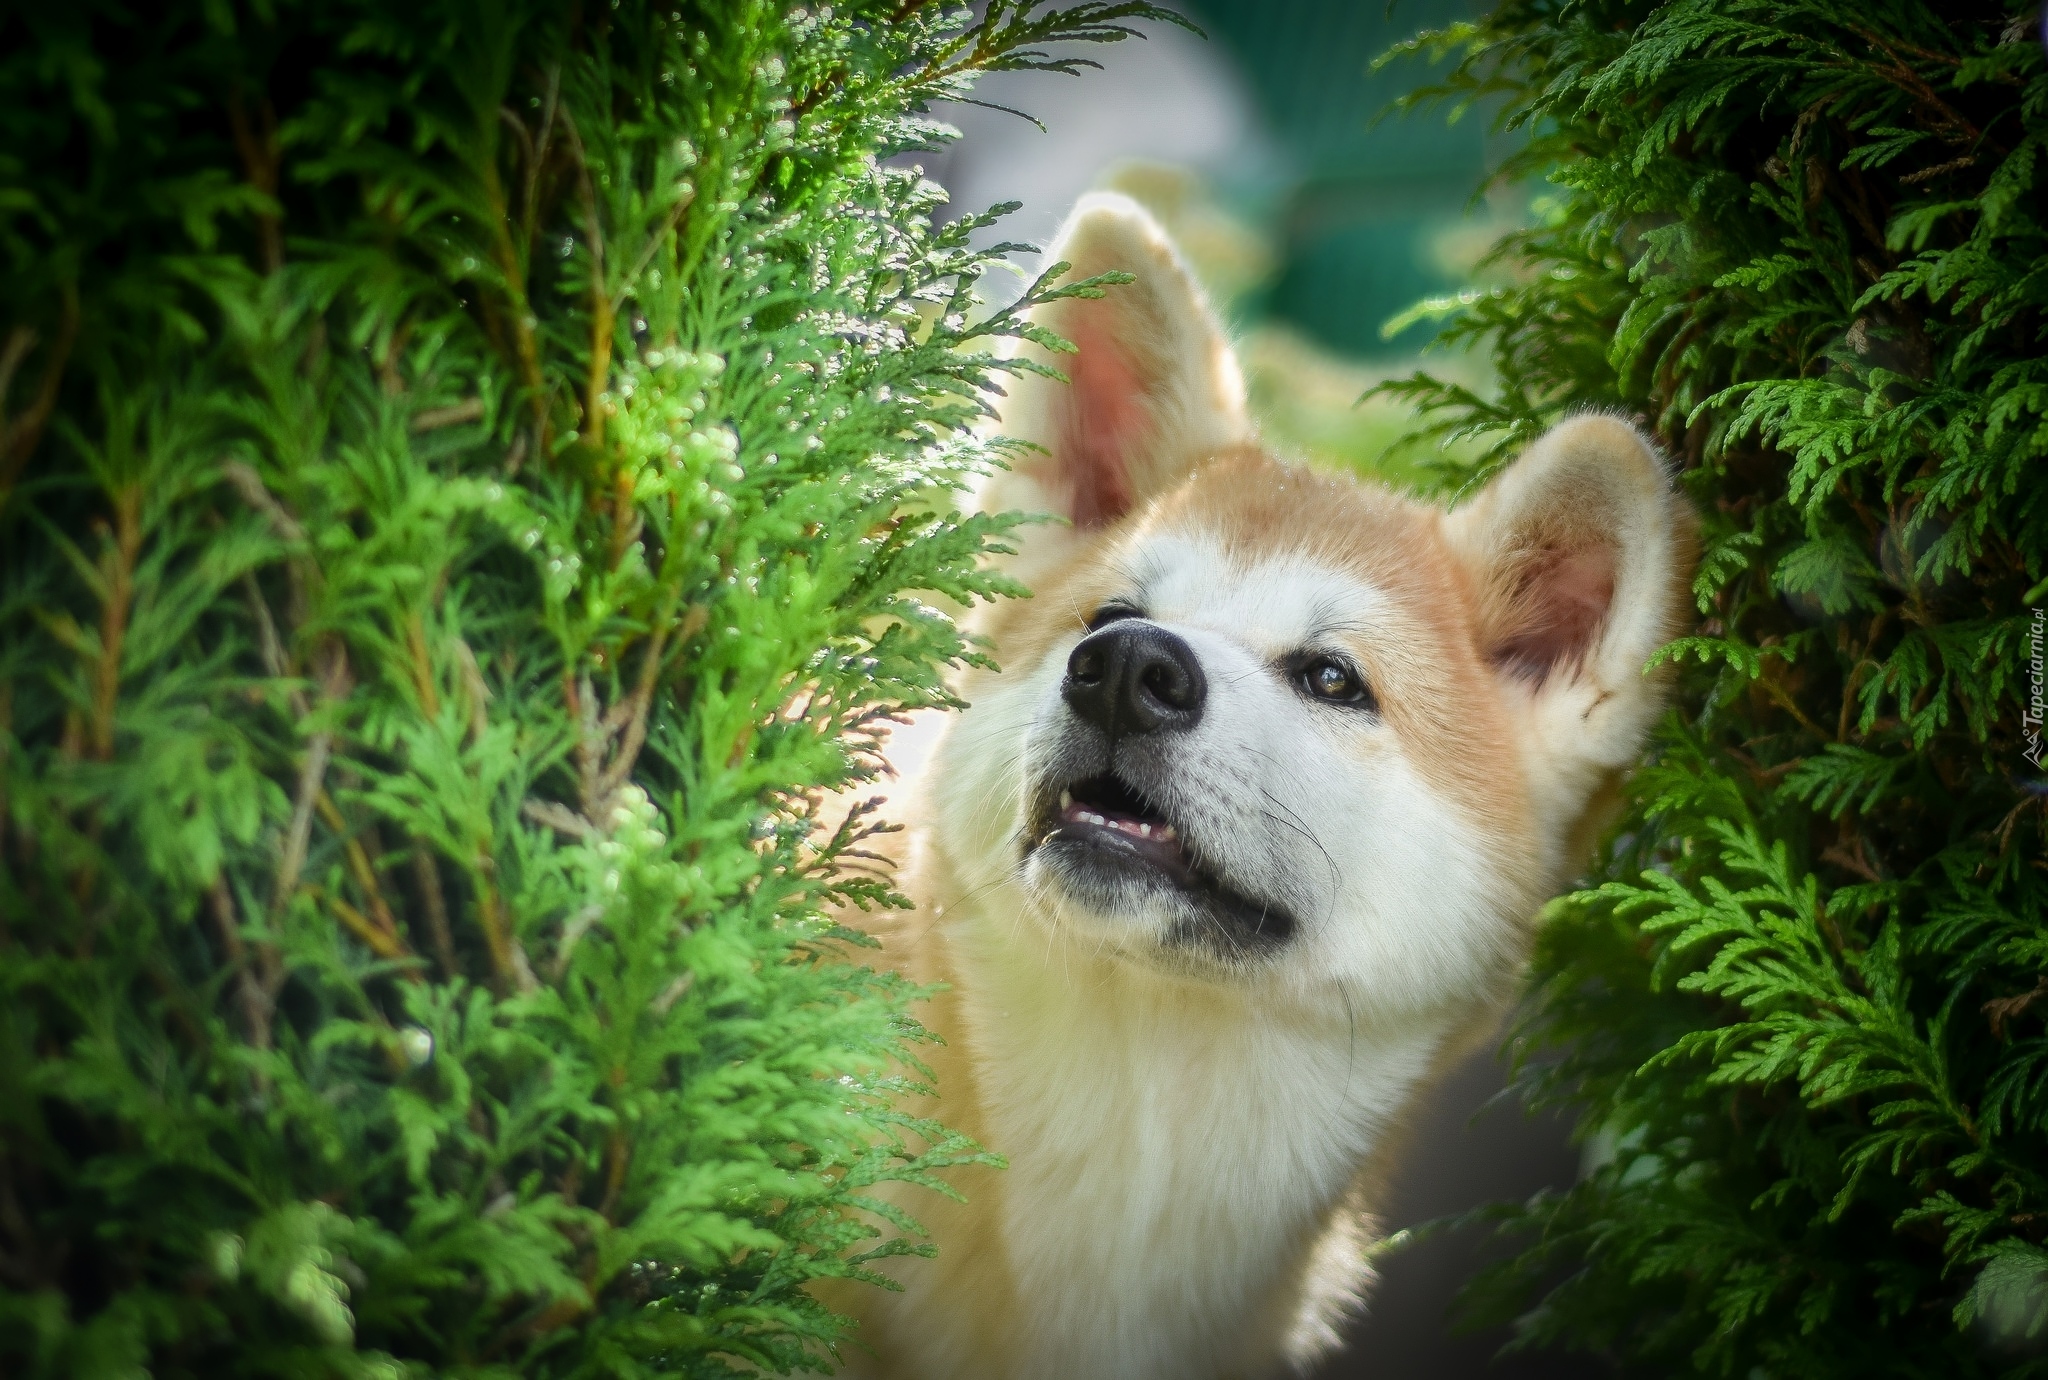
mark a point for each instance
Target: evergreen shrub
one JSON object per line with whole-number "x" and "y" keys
{"x": 464, "y": 472}
{"x": 1801, "y": 1007}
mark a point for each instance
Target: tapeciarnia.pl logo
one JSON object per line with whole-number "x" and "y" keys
{"x": 2030, "y": 718}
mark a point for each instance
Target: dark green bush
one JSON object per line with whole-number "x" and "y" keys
{"x": 1802, "y": 1009}
{"x": 453, "y": 477}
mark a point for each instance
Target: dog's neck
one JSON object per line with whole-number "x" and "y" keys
{"x": 1207, "y": 1130}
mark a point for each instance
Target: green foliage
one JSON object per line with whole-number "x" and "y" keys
{"x": 464, "y": 469}
{"x": 1802, "y": 1008}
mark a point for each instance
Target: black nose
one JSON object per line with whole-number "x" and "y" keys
{"x": 1135, "y": 677}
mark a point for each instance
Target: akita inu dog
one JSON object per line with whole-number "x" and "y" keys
{"x": 1242, "y": 841}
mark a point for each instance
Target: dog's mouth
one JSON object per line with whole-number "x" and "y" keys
{"x": 1107, "y": 811}
{"x": 1111, "y": 843}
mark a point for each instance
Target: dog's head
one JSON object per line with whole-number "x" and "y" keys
{"x": 1265, "y": 723}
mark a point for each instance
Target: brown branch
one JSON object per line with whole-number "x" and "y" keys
{"x": 19, "y": 434}
{"x": 637, "y": 705}
{"x": 470, "y": 410}
{"x": 476, "y": 694}
{"x": 602, "y": 317}
{"x": 617, "y": 1151}
{"x": 388, "y": 376}
{"x": 581, "y": 701}
{"x": 1784, "y": 700}
{"x": 260, "y": 162}
{"x": 268, "y": 645}
{"x": 512, "y": 275}
{"x": 491, "y": 918}
{"x": 359, "y": 864}
{"x": 20, "y": 341}
{"x": 560, "y": 818}
{"x": 422, "y": 665}
{"x": 311, "y": 773}
{"x": 673, "y": 993}
{"x": 428, "y": 873}
{"x": 653, "y": 247}
{"x": 1953, "y": 165}
{"x": 6, "y": 738}
{"x": 114, "y": 617}
{"x": 2003, "y": 1009}
{"x": 529, "y": 201}
{"x": 362, "y": 927}
{"x": 1857, "y": 862}
{"x": 257, "y": 495}
{"x": 1901, "y": 75}
{"x": 255, "y": 1002}
{"x": 250, "y": 485}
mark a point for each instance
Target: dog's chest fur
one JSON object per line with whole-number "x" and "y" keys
{"x": 1202, "y": 1143}
{"x": 1177, "y": 1157}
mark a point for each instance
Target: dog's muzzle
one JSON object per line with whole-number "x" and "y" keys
{"x": 1103, "y": 821}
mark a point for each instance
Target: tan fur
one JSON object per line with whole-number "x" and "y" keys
{"x": 1196, "y": 1137}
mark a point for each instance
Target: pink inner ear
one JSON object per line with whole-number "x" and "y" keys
{"x": 1564, "y": 595}
{"x": 1106, "y": 422}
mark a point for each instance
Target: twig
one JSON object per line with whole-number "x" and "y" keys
{"x": 491, "y": 916}
{"x": 637, "y": 705}
{"x": 2002, "y": 1009}
{"x": 255, "y": 1003}
{"x": 559, "y": 818}
{"x": 617, "y": 1152}
{"x": 602, "y": 314}
{"x": 312, "y": 775}
{"x": 260, "y": 162}
{"x": 311, "y": 772}
{"x": 114, "y": 617}
{"x": 257, "y": 495}
{"x": 268, "y": 646}
{"x": 474, "y": 690}
{"x": 362, "y": 927}
{"x": 359, "y": 865}
{"x": 428, "y": 873}
{"x": 469, "y": 410}
{"x": 652, "y": 247}
{"x": 6, "y": 738}
{"x": 20, "y": 341}
{"x": 512, "y": 273}
{"x": 529, "y": 208}
{"x": 1953, "y": 165}
{"x": 422, "y": 665}
{"x": 19, "y": 435}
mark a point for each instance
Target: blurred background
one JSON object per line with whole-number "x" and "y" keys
{"x": 1316, "y": 219}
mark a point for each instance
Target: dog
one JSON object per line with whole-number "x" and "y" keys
{"x": 1241, "y": 842}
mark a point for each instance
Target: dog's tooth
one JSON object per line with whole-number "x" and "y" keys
{"x": 1167, "y": 834}
{"x": 1066, "y": 800}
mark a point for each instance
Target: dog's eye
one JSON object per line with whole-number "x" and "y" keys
{"x": 1331, "y": 681}
{"x": 1111, "y": 612}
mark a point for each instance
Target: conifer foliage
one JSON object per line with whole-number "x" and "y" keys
{"x": 463, "y": 472}
{"x": 1802, "y": 1007}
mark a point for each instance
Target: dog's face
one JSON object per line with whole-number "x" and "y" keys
{"x": 1260, "y": 724}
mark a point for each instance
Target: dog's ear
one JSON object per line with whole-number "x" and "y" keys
{"x": 1154, "y": 386}
{"x": 1579, "y": 553}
